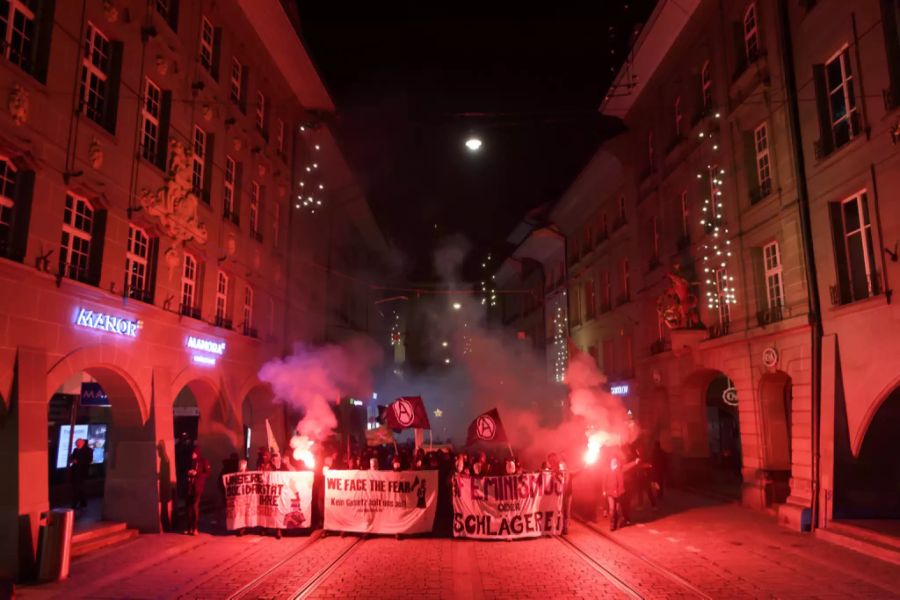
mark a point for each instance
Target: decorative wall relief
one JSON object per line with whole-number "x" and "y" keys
{"x": 231, "y": 245}
{"x": 95, "y": 154}
{"x": 175, "y": 204}
{"x": 237, "y": 143}
{"x": 208, "y": 113}
{"x": 17, "y": 103}
{"x": 110, "y": 11}
{"x": 262, "y": 169}
{"x": 162, "y": 65}
{"x": 173, "y": 261}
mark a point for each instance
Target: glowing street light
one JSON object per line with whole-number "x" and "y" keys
{"x": 457, "y": 306}
{"x": 473, "y": 144}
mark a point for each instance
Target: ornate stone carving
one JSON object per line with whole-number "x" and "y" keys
{"x": 677, "y": 306}
{"x": 175, "y": 204}
{"x": 207, "y": 112}
{"x": 262, "y": 169}
{"x": 110, "y": 11}
{"x": 231, "y": 245}
{"x": 237, "y": 143}
{"x": 17, "y": 104}
{"x": 95, "y": 154}
{"x": 173, "y": 260}
{"x": 282, "y": 189}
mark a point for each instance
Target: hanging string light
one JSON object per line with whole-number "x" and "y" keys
{"x": 561, "y": 351}
{"x": 488, "y": 285}
{"x": 312, "y": 189}
{"x": 720, "y": 291}
{"x": 395, "y": 330}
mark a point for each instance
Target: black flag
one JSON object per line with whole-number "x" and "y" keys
{"x": 486, "y": 427}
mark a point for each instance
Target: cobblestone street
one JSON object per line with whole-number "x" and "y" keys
{"x": 691, "y": 548}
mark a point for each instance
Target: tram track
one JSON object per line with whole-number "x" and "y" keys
{"x": 652, "y": 564}
{"x": 322, "y": 574}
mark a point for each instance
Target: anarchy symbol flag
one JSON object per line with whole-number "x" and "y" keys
{"x": 486, "y": 427}
{"x": 407, "y": 412}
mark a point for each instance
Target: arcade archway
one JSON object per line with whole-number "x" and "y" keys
{"x": 867, "y": 486}
{"x": 775, "y": 406}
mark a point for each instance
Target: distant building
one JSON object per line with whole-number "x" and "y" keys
{"x": 174, "y": 211}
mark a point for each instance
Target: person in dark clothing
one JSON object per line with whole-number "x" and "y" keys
{"x": 79, "y": 467}
{"x": 277, "y": 464}
{"x": 614, "y": 486}
{"x": 197, "y": 475}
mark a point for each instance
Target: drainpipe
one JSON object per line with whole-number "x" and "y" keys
{"x": 815, "y": 313}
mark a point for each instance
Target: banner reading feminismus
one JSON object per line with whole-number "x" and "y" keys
{"x": 277, "y": 499}
{"x": 380, "y": 501}
{"x": 509, "y": 506}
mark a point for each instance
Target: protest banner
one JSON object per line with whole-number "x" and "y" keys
{"x": 276, "y": 499}
{"x": 380, "y": 501}
{"x": 508, "y": 506}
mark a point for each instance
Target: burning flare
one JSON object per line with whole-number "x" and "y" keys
{"x": 301, "y": 449}
{"x": 596, "y": 441}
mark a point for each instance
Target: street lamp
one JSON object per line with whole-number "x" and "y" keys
{"x": 457, "y": 306}
{"x": 473, "y": 144}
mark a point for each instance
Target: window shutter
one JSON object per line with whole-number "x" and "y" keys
{"x": 40, "y": 51}
{"x": 165, "y": 116}
{"x": 152, "y": 264}
{"x": 826, "y": 141}
{"x": 98, "y": 235}
{"x": 21, "y": 215}
{"x": 217, "y": 52}
{"x": 759, "y": 278}
{"x": 208, "y": 158}
{"x": 840, "y": 253}
{"x": 889, "y": 17}
{"x": 115, "y": 82}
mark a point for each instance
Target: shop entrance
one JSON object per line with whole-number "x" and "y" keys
{"x": 723, "y": 434}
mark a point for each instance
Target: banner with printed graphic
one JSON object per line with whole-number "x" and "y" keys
{"x": 380, "y": 501}
{"x": 276, "y": 499}
{"x": 487, "y": 427}
{"x": 509, "y": 506}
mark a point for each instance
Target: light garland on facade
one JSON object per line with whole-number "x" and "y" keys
{"x": 312, "y": 189}
{"x": 395, "y": 330}
{"x": 488, "y": 287}
{"x": 561, "y": 356}
{"x": 720, "y": 291}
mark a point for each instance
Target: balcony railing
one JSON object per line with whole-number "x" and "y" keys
{"x": 683, "y": 242}
{"x": 231, "y": 215}
{"x": 757, "y": 194}
{"x": 623, "y": 298}
{"x": 75, "y": 272}
{"x": 770, "y": 315}
{"x": 250, "y": 331}
{"x": 661, "y": 345}
{"x": 137, "y": 293}
{"x": 719, "y": 330}
{"x": 841, "y": 295}
{"x": 221, "y": 321}
{"x": 189, "y": 311}
{"x": 605, "y": 307}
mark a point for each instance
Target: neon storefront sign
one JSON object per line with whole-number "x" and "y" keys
{"x": 203, "y": 349}
{"x": 619, "y": 390}
{"x": 107, "y": 323}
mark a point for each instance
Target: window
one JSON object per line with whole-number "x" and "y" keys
{"x": 221, "y": 297}
{"x": 237, "y": 82}
{"x": 261, "y": 112}
{"x": 654, "y": 230}
{"x": 254, "y": 207}
{"x": 228, "y": 188}
{"x": 841, "y": 99}
{"x": 189, "y": 285}
{"x": 209, "y": 47}
{"x": 8, "y": 176}
{"x": 590, "y": 301}
{"x": 626, "y": 281}
{"x": 621, "y": 210}
{"x": 609, "y": 358}
{"x": 602, "y": 228}
{"x": 605, "y": 291}
{"x": 150, "y": 116}
{"x": 168, "y": 10}
{"x": 855, "y": 249}
{"x": 17, "y": 22}
{"x": 706, "y": 86}
{"x": 685, "y": 216}
{"x": 627, "y": 356}
{"x": 276, "y": 224}
{"x": 678, "y": 117}
{"x": 198, "y": 159}
{"x": 763, "y": 175}
{"x": 723, "y": 296}
{"x": 95, "y": 75}
{"x": 774, "y": 282}
{"x": 279, "y": 138}
{"x": 75, "y": 247}
{"x": 651, "y": 154}
{"x": 751, "y": 34}
{"x": 136, "y": 262}
{"x": 248, "y": 310}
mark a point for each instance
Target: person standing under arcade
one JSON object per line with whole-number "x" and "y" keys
{"x": 197, "y": 474}
{"x": 79, "y": 467}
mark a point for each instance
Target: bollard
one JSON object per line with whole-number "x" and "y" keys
{"x": 56, "y": 545}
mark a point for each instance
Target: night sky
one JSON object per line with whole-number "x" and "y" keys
{"x": 412, "y": 81}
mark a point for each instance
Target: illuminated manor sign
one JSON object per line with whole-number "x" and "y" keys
{"x": 109, "y": 323}
{"x": 619, "y": 390}
{"x": 206, "y": 345}
{"x": 203, "y": 347}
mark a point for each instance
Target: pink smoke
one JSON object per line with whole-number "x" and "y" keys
{"x": 313, "y": 378}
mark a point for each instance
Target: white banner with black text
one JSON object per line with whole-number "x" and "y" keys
{"x": 387, "y": 502}
{"x": 508, "y": 506}
{"x": 275, "y": 499}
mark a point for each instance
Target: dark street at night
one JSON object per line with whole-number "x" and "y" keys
{"x": 308, "y": 299}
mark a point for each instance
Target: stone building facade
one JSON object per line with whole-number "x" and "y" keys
{"x": 174, "y": 212}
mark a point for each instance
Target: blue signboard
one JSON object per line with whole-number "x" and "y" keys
{"x": 93, "y": 395}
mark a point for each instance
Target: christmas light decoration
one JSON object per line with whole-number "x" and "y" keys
{"x": 560, "y": 348}
{"x": 312, "y": 189}
{"x": 488, "y": 287}
{"x": 720, "y": 291}
{"x": 395, "y": 330}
